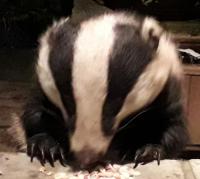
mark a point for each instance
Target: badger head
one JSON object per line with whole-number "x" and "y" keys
{"x": 101, "y": 71}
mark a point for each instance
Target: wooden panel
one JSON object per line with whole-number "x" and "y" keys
{"x": 187, "y": 39}
{"x": 186, "y": 91}
{"x": 194, "y": 109}
{"x": 191, "y": 69}
{"x": 192, "y": 42}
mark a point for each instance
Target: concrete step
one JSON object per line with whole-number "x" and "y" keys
{"x": 17, "y": 165}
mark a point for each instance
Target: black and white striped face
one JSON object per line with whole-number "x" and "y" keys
{"x": 100, "y": 72}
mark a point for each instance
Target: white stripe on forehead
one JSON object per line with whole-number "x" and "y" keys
{"x": 90, "y": 71}
{"x": 90, "y": 65}
{"x": 45, "y": 76}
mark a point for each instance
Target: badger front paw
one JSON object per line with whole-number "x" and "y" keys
{"x": 148, "y": 153}
{"x": 45, "y": 149}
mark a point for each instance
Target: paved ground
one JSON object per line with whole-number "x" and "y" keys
{"x": 13, "y": 166}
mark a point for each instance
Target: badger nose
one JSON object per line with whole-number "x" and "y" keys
{"x": 86, "y": 158}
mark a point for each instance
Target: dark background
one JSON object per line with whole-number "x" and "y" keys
{"x": 22, "y": 21}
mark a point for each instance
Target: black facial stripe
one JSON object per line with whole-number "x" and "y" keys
{"x": 129, "y": 58}
{"x": 61, "y": 59}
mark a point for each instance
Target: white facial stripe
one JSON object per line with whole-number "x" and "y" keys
{"x": 45, "y": 76}
{"x": 90, "y": 70}
{"x": 153, "y": 79}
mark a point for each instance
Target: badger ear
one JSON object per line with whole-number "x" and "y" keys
{"x": 151, "y": 31}
{"x": 153, "y": 40}
{"x": 151, "y": 28}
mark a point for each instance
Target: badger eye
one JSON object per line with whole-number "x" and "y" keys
{"x": 108, "y": 125}
{"x": 71, "y": 123}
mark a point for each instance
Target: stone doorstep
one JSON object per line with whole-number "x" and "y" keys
{"x": 17, "y": 165}
{"x": 195, "y": 165}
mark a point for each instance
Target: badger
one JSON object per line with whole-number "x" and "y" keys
{"x": 107, "y": 89}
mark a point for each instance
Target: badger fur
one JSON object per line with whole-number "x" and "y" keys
{"x": 108, "y": 88}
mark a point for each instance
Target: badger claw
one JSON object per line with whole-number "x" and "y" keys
{"x": 52, "y": 153}
{"x": 51, "y": 160}
{"x": 45, "y": 149}
{"x": 32, "y": 151}
{"x": 42, "y": 156}
{"x": 147, "y": 154}
{"x": 62, "y": 157}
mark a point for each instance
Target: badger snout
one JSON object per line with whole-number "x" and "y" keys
{"x": 87, "y": 158}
